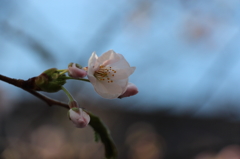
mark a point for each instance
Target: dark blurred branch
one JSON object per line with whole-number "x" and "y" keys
{"x": 95, "y": 122}
{"x": 21, "y": 37}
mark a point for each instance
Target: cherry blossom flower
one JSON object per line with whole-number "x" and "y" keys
{"x": 79, "y": 118}
{"x": 109, "y": 74}
{"x": 75, "y": 71}
{"x": 131, "y": 91}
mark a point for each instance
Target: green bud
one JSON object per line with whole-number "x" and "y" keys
{"x": 50, "y": 81}
{"x": 40, "y": 80}
{"x": 55, "y": 75}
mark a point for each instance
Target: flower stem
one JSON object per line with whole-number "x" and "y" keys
{"x": 63, "y": 71}
{"x": 80, "y": 79}
{"x": 68, "y": 94}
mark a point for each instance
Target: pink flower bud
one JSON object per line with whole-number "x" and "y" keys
{"x": 130, "y": 91}
{"x": 75, "y": 71}
{"x": 79, "y": 117}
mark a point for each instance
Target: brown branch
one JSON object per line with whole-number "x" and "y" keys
{"x": 95, "y": 122}
{"x": 46, "y": 99}
{"x": 24, "y": 85}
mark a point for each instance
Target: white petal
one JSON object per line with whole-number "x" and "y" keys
{"x": 73, "y": 115}
{"x": 100, "y": 87}
{"x": 122, "y": 63}
{"x": 116, "y": 80}
{"x": 91, "y": 78}
{"x": 111, "y": 90}
{"x": 109, "y": 57}
{"x": 92, "y": 63}
{"x": 132, "y": 70}
{"x": 92, "y": 59}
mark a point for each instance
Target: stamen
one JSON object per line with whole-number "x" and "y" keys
{"x": 105, "y": 73}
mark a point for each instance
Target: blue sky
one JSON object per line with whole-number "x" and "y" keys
{"x": 186, "y": 53}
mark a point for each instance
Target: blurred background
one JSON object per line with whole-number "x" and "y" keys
{"x": 187, "y": 59}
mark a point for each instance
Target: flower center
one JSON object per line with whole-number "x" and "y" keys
{"x": 105, "y": 73}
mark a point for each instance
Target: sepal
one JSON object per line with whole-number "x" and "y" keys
{"x": 50, "y": 81}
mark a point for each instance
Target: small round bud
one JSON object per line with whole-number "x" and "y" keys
{"x": 76, "y": 71}
{"x": 79, "y": 117}
{"x": 130, "y": 91}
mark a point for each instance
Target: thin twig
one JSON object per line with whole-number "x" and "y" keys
{"x": 95, "y": 122}
{"x": 23, "y": 85}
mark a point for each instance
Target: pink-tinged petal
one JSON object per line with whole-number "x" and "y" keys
{"x": 91, "y": 78}
{"x": 92, "y": 59}
{"x": 122, "y": 63}
{"x": 111, "y": 90}
{"x": 76, "y": 72}
{"x": 92, "y": 63}
{"x": 132, "y": 69}
{"x": 80, "y": 119}
{"x": 131, "y": 91}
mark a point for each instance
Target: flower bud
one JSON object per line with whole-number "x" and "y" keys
{"x": 49, "y": 81}
{"x": 79, "y": 117}
{"x": 130, "y": 91}
{"x": 76, "y": 71}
